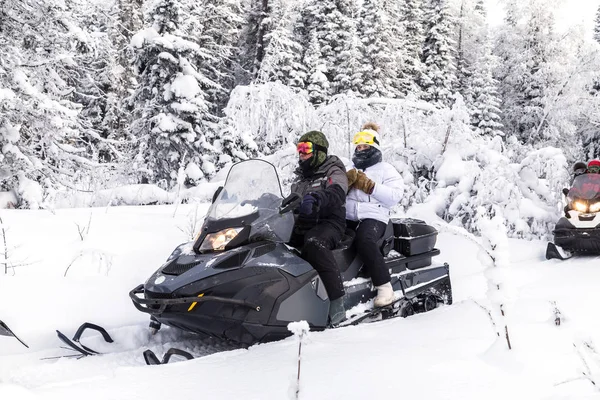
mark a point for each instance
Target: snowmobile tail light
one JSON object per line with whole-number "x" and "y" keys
{"x": 595, "y": 207}
{"x": 580, "y": 206}
{"x": 218, "y": 240}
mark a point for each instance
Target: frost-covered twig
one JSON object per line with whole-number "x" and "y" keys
{"x": 5, "y": 247}
{"x": 192, "y": 225}
{"x": 557, "y": 314}
{"x": 494, "y": 234}
{"x": 84, "y": 230}
{"x": 300, "y": 330}
{"x": 587, "y": 373}
{"x": 103, "y": 260}
{"x": 489, "y": 313}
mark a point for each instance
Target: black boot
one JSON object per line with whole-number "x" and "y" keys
{"x": 337, "y": 312}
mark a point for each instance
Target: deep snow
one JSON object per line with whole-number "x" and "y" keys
{"x": 449, "y": 353}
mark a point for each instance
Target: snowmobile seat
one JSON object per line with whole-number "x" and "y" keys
{"x": 345, "y": 252}
{"x": 386, "y": 243}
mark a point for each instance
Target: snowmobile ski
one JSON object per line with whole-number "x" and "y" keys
{"x": 5, "y": 331}
{"x": 556, "y": 252}
{"x": 151, "y": 358}
{"x": 79, "y": 347}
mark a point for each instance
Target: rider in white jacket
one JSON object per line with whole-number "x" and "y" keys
{"x": 375, "y": 187}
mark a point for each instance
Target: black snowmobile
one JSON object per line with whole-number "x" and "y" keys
{"x": 239, "y": 280}
{"x": 579, "y": 230}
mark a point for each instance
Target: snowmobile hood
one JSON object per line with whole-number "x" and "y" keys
{"x": 188, "y": 268}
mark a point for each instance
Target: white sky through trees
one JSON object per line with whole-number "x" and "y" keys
{"x": 571, "y": 12}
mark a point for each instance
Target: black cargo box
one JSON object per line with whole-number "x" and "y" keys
{"x": 413, "y": 236}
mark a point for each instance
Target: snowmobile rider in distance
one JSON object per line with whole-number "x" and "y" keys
{"x": 375, "y": 187}
{"x": 320, "y": 224}
{"x": 580, "y": 168}
{"x": 593, "y": 167}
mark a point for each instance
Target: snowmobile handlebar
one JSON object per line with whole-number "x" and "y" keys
{"x": 145, "y": 305}
{"x": 290, "y": 203}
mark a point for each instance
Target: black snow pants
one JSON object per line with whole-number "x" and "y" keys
{"x": 318, "y": 243}
{"x": 368, "y": 232}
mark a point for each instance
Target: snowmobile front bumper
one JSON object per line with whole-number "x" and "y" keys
{"x": 578, "y": 240}
{"x": 158, "y": 306}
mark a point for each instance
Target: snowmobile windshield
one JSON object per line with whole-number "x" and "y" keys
{"x": 585, "y": 187}
{"x": 250, "y": 185}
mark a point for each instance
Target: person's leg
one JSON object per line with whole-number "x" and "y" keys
{"x": 367, "y": 234}
{"x": 318, "y": 243}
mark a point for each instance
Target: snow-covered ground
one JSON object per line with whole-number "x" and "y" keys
{"x": 78, "y": 265}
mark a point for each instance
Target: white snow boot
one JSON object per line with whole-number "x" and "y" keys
{"x": 385, "y": 295}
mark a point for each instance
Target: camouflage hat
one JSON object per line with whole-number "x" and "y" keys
{"x": 319, "y": 139}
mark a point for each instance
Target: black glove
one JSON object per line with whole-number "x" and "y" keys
{"x": 309, "y": 203}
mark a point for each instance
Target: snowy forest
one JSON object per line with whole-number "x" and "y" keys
{"x": 480, "y": 120}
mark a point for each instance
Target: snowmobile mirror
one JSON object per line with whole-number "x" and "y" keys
{"x": 565, "y": 191}
{"x": 290, "y": 203}
{"x": 217, "y": 192}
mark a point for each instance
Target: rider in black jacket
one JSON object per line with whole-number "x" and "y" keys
{"x": 322, "y": 183}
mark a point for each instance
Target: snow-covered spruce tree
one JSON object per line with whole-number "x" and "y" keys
{"x": 317, "y": 86}
{"x": 43, "y": 144}
{"x": 215, "y": 25}
{"x": 595, "y": 89}
{"x": 530, "y": 54}
{"x": 126, "y": 19}
{"x": 439, "y": 76}
{"x": 597, "y": 26}
{"x": 100, "y": 79}
{"x": 330, "y": 22}
{"x": 511, "y": 65}
{"x": 347, "y": 76}
{"x": 485, "y": 103}
{"x": 393, "y": 11}
{"x": 470, "y": 42}
{"x": 379, "y": 58}
{"x": 414, "y": 40}
{"x": 260, "y": 17}
{"x": 171, "y": 114}
{"x": 283, "y": 56}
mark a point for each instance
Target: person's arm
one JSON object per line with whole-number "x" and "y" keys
{"x": 334, "y": 195}
{"x": 389, "y": 192}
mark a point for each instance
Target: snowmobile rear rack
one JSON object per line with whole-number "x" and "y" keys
{"x": 5, "y": 331}
{"x": 145, "y": 305}
{"x": 151, "y": 358}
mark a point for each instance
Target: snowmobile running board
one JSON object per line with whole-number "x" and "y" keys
{"x": 404, "y": 306}
{"x": 5, "y": 331}
{"x": 79, "y": 347}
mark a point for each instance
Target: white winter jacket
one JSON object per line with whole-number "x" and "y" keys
{"x": 386, "y": 194}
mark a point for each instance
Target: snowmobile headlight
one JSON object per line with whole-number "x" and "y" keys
{"x": 218, "y": 240}
{"x": 595, "y": 207}
{"x": 580, "y": 206}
